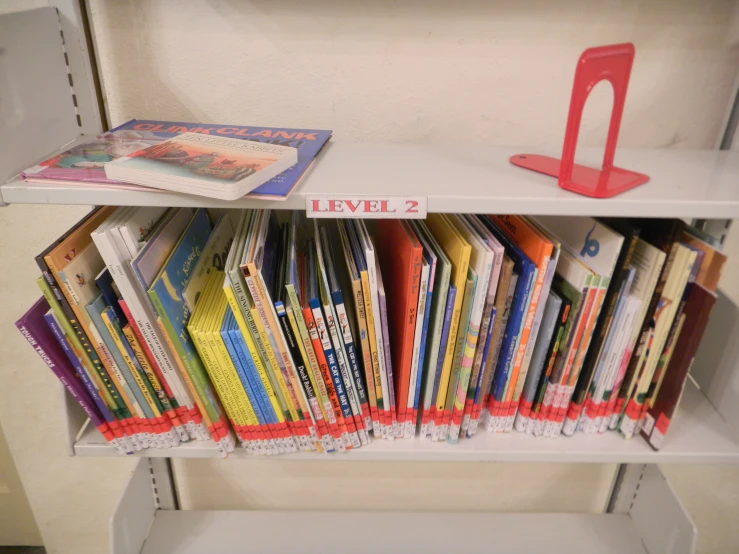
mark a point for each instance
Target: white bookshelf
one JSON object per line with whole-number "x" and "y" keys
{"x": 464, "y": 179}
{"x": 644, "y": 514}
{"x": 698, "y": 436}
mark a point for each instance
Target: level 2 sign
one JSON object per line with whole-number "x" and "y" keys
{"x": 365, "y": 207}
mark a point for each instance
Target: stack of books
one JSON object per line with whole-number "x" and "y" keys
{"x": 278, "y": 334}
{"x": 218, "y": 161}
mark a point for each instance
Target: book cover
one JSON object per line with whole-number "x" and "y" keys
{"x": 679, "y": 271}
{"x": 503, "y": 298}
{"x": 433, "y": 428}
{"x": 700, "y": 302}
{"x": 463, "y": 353}
{"x": 258, "y": 266}
{"x": 630, "y": 232}
{"x": 534, "y": 422}
{"x": 340, "y": 329}
{"x": 439, "y": 289}
{"x": 538, "y": 359}
{"x": 538, "y": 248}
{"x": 660, "y": 234}
{"x": 475, "y": 394}
{"x": 32, "y": 325}
{"x": 457, "y": 250}
{"x": 194, "y": 163}
{"x": 527, "y": 271}
{"x": 401, "y": 260}
{"x": 482, "y": 259}
{"x": 357, "y": 319}
{"x": 366, "y": 256}
{"x": 166, "y": 294}
{"x": 86, "y": 162}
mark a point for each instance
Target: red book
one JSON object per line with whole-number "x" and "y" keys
{"x": 401, "y": 258}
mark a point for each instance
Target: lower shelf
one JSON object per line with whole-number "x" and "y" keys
{"x": 698, "y": 435}
{"x": 648, "y": 518}
{"x": 185, "y": 532}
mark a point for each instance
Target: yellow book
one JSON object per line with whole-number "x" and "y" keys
{"x": 236, "y": 387}
{"x": 458, "y": 250}
{"x": 209, "y": 423}
{"x": 279, "y": 410}
{"x": 195, "y": 326}
{"x": 151, "y": 383}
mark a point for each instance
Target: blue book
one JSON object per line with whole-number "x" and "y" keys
{"x": 110, "y": 293}
{"x": 451, "y": 295}
{"x": 229, "y": 322}
{"x": 250, "y": 370}
{"x": 519, "y": 306}
{"x": 431, "y": 260}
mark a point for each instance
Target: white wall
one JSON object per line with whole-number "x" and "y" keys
{"x": 433, "y": 71}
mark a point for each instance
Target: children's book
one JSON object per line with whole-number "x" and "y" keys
{"x": 85, "y": 163}
{"x": 218, "y": 167}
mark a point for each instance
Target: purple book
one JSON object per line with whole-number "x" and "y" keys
{"x": 34, "y": 328}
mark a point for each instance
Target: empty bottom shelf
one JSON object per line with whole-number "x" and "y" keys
{"x": 222, "y": 532}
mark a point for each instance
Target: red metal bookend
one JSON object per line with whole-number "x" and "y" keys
{"x": 613, "y": 64}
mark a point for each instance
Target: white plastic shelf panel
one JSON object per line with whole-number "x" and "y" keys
{"x": 466, "y": 179}
{"x": 698, "y": 435}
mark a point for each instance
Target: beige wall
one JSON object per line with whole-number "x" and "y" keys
{"x": 434, "y": 71}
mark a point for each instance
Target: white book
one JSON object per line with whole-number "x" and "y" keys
{"x": 142, "y": 312}
{"x": 195, "y": 163}
{"x": 137, "y": 227}
{"x": 369, "y": 253}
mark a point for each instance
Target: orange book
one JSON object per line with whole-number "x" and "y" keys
{"x": 712, "y": 265}
{"x": 401, "y": 258}
{"x": 539, "y": 249}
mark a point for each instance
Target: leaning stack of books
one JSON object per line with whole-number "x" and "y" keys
{"x": 280, "y": 334}
{"x": 226, "y": 162}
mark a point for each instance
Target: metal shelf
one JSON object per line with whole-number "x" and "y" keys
{"x": 465, "y": 179}
{"x": 698, "y": 435}
{"x": 650, "y": 520}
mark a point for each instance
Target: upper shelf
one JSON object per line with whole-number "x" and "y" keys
{"x": 698, "y": 435}
{"x": 466, "y": 179}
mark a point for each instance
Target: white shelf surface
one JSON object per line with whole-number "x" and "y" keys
{"x": 467, "y": 179}
{"x": 697, "y": 435}
{"x": 194, "y": 532}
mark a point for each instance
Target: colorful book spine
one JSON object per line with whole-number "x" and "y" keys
{"x": 433, "y": 428}
{"x": 32, "y": 325}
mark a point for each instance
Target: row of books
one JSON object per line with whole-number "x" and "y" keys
{"x": 282, "y": 334}
{"x": 220, "y": 161}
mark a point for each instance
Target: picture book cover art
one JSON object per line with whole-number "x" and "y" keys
{"x": 210, "y": 160}
{"x": 85, "y": 162}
